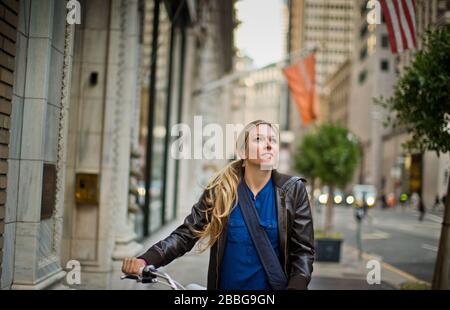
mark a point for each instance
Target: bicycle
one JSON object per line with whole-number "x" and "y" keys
{"x": 149, "y": 274}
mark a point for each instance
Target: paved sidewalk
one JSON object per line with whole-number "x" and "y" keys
{"x": 351, "y": 273}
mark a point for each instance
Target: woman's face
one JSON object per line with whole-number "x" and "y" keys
{"x": 263, "y": 147}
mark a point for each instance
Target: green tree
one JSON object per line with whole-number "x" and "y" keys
{"x": 304, "y": 159}
{"x": 331, "y": 154}
{"x": 421, "y": 104}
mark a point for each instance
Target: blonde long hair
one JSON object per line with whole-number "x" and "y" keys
{"x": 221, "y": 191}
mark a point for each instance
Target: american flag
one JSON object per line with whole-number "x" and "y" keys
{"x": 400, "y": 16}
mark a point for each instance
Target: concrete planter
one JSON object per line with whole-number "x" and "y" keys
{"x": 328, "y": 249}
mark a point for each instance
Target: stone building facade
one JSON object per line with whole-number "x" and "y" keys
{"x": 76, "y": 99}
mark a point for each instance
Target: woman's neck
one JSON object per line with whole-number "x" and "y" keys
{"x": 255, "y": 178}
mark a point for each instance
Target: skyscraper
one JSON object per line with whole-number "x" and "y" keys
{"x": 327, "y": 25}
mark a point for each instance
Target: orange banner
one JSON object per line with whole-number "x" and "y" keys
{"x": 301, "y": 78}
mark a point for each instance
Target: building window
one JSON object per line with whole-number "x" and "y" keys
{"x": 363, "y": 30}
{"x": 363, "y": 53}
{"x": 362, "y": 76}
{"x": 385, "y": 41}
{"x": 363, "y": 9}
{"x": 384, "y": 65}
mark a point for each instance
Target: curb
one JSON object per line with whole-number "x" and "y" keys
{"x": 407, "y": 277}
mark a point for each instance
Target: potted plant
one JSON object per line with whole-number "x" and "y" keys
{"x": 328, "y": 246}
{"x": 331, "y": 155}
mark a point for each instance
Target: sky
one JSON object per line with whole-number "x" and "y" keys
{"x": 260, "y": 34}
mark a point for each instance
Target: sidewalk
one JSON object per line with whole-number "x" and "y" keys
{"x": 351, "y": 273}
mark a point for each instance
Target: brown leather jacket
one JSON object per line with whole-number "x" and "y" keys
{"x": 295, "y": 227}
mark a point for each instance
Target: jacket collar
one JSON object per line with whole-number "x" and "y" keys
{"x": 279, "y": 178}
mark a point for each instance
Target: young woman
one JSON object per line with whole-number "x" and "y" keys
{"x": 278, "y": 257}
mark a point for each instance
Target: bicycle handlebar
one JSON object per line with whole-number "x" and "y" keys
{"x": 149, "y": 274}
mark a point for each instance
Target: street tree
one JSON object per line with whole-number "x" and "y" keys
{"x": 304, "y": 161}
{"x": 304, "y": 158}
{"x": 330, "y": 154}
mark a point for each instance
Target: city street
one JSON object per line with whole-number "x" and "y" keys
{"x": 396, "y": 236}
{"x": 118, "y": 116}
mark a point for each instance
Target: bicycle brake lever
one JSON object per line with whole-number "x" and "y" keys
{"x": 149, "y": 272}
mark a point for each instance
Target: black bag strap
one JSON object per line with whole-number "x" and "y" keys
{"x": 271, "y": 264}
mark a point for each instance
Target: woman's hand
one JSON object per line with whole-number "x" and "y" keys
{"x": 132, "y": 265}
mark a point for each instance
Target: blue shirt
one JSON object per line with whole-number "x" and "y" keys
{"x": 241, "y": 267}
